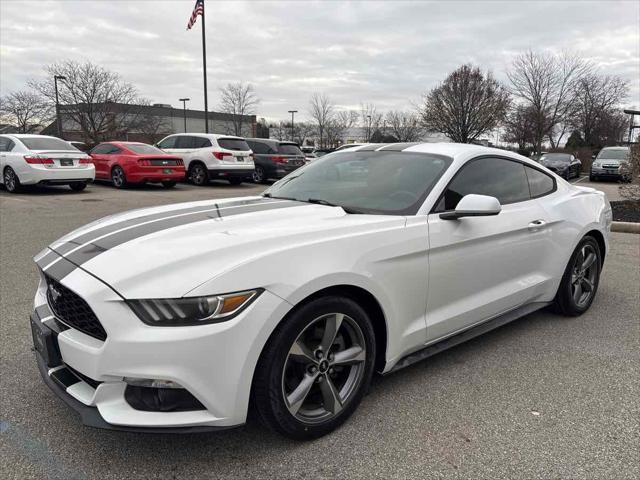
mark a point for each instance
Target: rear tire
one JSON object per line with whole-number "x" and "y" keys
{"x": 78, "y": 186}
{"x": 315, "y": 368}
{"x": 11, "y": 181}
{"x": 169, "y": 184}
{"x": 118, "y": 177}
{"x": 258, "y": 175}
{"x": 581, "y": 277}
{"x": 198, "y": 174}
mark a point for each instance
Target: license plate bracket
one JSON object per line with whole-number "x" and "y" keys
{"x": 45, "y": 343}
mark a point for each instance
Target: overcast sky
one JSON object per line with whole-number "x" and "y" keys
{"x": 386, "y": 53}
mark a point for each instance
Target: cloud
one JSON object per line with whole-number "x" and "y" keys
{"x": 386, "y": 53}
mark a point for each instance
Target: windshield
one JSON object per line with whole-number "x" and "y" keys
{"x": 393, "y": 183}
{"x": 47, "y": 143}
{"x": 610, "y": 154}
{"x": 289, "y": 149}
{"x": 144, "y": 149}
{"x": 555, "y": 157}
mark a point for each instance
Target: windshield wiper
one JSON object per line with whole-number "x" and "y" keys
{"x": 268, "y": 195}
{"x": 320, "y": 201}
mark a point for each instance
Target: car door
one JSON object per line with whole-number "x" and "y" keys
{"x": 480, "y": 267}
{"x": 98, "y": 156}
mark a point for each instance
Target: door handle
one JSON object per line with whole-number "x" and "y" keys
{"x": 537, "y": 225}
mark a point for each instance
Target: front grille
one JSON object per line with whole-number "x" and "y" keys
{"x": 73, "y": 310}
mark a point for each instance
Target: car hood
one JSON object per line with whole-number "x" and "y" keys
{"x": 554, "y": 163}
{"x": 165, "y": 252}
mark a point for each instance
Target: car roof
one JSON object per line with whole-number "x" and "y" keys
{"x": 205, "y": 135}
{"x": 462, "y": 151}
{"x": 30, "y": 135}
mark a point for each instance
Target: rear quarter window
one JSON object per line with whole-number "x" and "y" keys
{"x": 237, "y": 144}
{"x": 289, "y": 149}
{"x": 540, "y": 183}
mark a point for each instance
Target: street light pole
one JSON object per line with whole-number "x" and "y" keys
{"x": 184, "y": 111}
{"x": 292, "y": 112}
{"x": 58, "y": 121}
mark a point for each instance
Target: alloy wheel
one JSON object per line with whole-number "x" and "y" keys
{"x": 583, "y": 275}
{"x": 117, "y": 177}
{"x": 198, "y": 175}
{"x": 10, "y": 180}
{"x": 324, "y": 367}
{"x": 257, "y": 175}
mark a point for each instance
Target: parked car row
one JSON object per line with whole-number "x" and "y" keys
{"x": 197, "y": 158}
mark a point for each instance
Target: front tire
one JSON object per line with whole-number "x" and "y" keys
{"x": 78, "y": 186}
{"x": 315, "y": 369}
{"x": 581, "y": 278}
{"x": 11, "y": 181}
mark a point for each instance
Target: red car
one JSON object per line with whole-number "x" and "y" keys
{"x": 126, "y": 163}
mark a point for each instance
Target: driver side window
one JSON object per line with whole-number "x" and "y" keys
{"x": 496, "y": 177}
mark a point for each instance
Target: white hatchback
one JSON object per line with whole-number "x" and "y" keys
{"x": 42, "y": 160}
{"x": 209, "y": 156}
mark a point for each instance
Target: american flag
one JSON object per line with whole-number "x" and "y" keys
{"x": 197, "y": 10}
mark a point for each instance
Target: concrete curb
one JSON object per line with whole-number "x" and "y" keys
{"x": 625, "y": 227}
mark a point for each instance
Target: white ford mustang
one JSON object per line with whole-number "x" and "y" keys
{"x": 175, "y": 318}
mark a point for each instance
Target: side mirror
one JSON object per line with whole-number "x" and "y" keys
{"x": 474, "y": 206}
{"x": 593, "y": 157}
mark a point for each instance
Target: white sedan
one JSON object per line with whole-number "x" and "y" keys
{"x": 179, "y": 317}
{"x": 42, "y": 160}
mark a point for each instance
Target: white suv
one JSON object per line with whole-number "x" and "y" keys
{"x": 42, "y": 160}
{"x": 208, "y": 156}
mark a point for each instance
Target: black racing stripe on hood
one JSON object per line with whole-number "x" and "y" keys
{"x": 46, "y": 259}
{"x": 114, "y": 227}
{"x": 60, "y": 269}
{"x": 94, "y": 249}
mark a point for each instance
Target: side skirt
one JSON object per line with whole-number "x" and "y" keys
{"x": 468, "y": 334}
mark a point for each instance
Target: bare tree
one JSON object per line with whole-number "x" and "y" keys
{"x": 546, "y": 83}
{"x": 321, "y": 111}
{"x": 238, "y": 99}
{"x": 371, "y": 119}
{"x": 279, "y": 130}
{"x": 151, "y": 123}
{"x": 466, "y": 105}
{"x": 596, "y": 98}
{"x": 303, "y": 131}
{"x": 25, "y": 110}
{"x": 94, "y": 100}
{"x": 519, "y": 126}
{"x": 339, "y": 125}
{"x": 404, "y": 126}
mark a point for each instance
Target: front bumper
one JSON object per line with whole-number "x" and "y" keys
{"x": 214, "y": 363}
{"x": 607, "y": 173}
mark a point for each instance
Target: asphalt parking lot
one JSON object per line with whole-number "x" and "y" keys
{"x": 543, "y": 397}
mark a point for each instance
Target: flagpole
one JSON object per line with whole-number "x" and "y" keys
{"x": 204, "y": 72}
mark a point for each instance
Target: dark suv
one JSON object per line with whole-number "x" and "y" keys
{"x": 274, "y": 159}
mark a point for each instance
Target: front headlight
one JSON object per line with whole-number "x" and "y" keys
{"x": 172, "y": 312}
{"x": 597, "y": 164}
